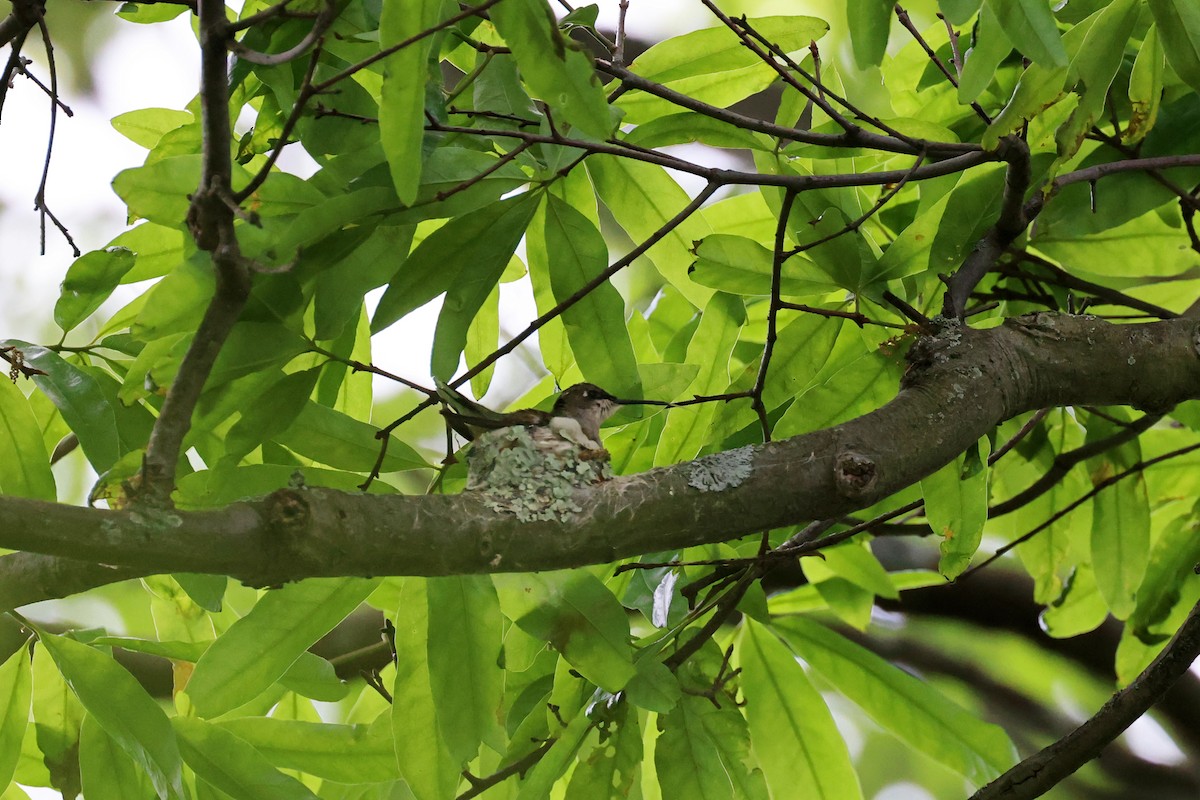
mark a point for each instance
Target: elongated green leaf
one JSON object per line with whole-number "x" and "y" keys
{"x": 1120, "y": 522}
{"x": 341, "y": 753}
{"x": 1178, "y": 24}
{"x": 856, "y": 563}
{"x": 231, "y": 765}
{"x": 558, "y": 758}
{"x": 146, "y": 126}
{"x": 687, "y": 429}
{"x": 703, "y": 752}
{"x": 16, "y": 692}
{"x": 121, "y": 706}
{"x": 1145, "y": 88}
{"x": 24, "y": 462}
{"x": 575, "y": 254}
{"x": 57, "y": 717}
{"x": 741, "y": 265}
{"x": 553, "y": 66}
{"x": 340, "y": 441}
{"x": 1094, "y": 66}
{"x": 609, "y": 769}
{"x": 578, "y": 616}
{"x": 477, "y": 279}
{"x": 487, "y": 237}
{"x": 272, "y": 414}
{"x": 869, "y": 31}
{"x": 420, "y": 753}
{"x": 89, "y": 282}
{"x": 643, "y": 198}
{"x": 105, "y": 769}
{"x": 1079, "y": 609}
{"x": 991, "y": 48}
{"x": 718, "y": 49}
{"x": 1030, "y": 26}
{"x": 1176, "y": 550}
{"x": 402, "y": 105}
{"x": 80, "y": 400}
{"x": 259, "y": 647}
{"x": 956, "y": 504}
{"x": 902, "y": 704}
{"x": 799, "y": 746}
{"x": 464, "y": 650}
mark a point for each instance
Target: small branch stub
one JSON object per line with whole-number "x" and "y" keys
{"x": 854, "y": 475}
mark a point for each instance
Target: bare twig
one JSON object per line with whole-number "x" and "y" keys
{"x": 1037, "y": 774}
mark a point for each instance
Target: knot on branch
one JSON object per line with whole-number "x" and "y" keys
{"x": 854, "y": 475}
{"x": 289, "y": 510}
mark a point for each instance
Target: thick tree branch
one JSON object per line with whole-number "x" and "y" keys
{"x": 1030, "y": 362}
{"x": 1034, "y": 776}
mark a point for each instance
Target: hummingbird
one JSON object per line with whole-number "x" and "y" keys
{"x": 575, "y": 419}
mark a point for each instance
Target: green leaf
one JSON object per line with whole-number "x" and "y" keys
{"x": 872, "y": 19}
{"x": 105, "y": 769}
{"x": 553, "y": 67}
{"x": 1145, "y": 88}
{"x": 16, "y": 693}
{"x": 959, "y": 12}
{"x": 159, "y": 190}
{"x": 558, "y": 758}
{"x": 703, "y": 753}
{"x": 158, "y": 250}
{"x": 273, "y": 413}
{"x": 1031, "y": 28}
{"x": 484, "y": 263}
{"x": 24, "y": 462}
{"x": 575, "y": 253}
{"x": 718, "y": 49}
{"x": 856, "y": 563}
{"x": 654, "y": 687}
{"x": 1120, "y": 540}
{"x": 342, "y": 442}
{"x": 402, "y": 102}
{"x": 258, "y": 648}
{"x": 1093, "y": 68}
{"x": 231, "y": 765}
{"x": 487, "y": 237}
{"x": 902, "y": 704}
{"x": 991, "y": 48}
{"x": 741, "y": 265}
{"x": 464, "y": 651}
{"x": 578, "y": 616}
{"x": 121, "y": 706}
{"x": 146, "y": 126}
{"x": 798, "y": 745}
{"x": 341, "y": 753}
{"x": 313, "y": 677}
{"x": 1175, "y": 551}
{"x": 1178, "y": 23}
{"x": 956, "y": 505}
{"x": 689, "y": 126}
{"x": 687, "y": 429}
{"x": 609, "y": 768}
{"x": 89, "y": 282}
{"x": 80, "y": 400}
{"x": 420, "y": 752}
{"x": 1078, "y": 610}
{"x": 643, "y": 198}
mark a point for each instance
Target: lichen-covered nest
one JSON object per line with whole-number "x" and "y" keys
{"x": 521, "y": 475}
